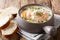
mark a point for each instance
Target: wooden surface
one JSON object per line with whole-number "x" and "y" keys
{"x": 20, "y": 3}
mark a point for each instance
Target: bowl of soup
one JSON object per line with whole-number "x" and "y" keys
{"x": 33, "y": 17}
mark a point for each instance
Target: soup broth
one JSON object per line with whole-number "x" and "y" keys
{"x": 36, "y": 14}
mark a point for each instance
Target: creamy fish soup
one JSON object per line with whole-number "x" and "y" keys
{"x": 36, "y": 14}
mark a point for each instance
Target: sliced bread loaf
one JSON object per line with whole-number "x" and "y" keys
{"x": 11, "y": 29}
{"x": 4, "y": 20}
{"x": 11, "y": 10}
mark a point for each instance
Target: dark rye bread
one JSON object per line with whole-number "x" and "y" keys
{"x": 10, "y": 30}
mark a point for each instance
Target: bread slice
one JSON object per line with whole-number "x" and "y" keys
{"x": 11, "y": 29}
{"x": 4, "y": 20}
{"x": 11, "y": 10}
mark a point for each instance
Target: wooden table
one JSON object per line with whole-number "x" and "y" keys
{"x": 18, "y": 4}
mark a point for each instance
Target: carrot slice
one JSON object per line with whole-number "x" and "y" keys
{"x": 23, "y": 14}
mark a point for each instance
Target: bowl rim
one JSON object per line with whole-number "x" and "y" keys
{"x": 34, "y": 5}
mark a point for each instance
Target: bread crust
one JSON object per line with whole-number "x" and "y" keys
{"x": 6, "y": 24}
{"x": 14, "y": 15}
{"x": 7, "y": 35}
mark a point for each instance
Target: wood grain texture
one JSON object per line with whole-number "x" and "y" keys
{"x": 2, "y": 3}
{"x": 14, "y": 3}
{"x": 56, "y": 6}
{"x": 44, "y": 2}
{"x": 25, "y": 2}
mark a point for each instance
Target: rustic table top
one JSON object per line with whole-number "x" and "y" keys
{"x": 18, "y": 4}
